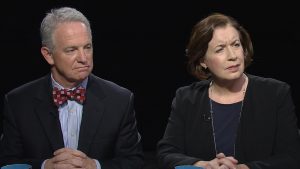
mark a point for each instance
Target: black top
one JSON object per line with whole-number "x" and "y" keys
{"x": 226, "y": 118}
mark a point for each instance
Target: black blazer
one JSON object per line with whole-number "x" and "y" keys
{"x": 267, "y": 136}
{"x": 108, "y": 130}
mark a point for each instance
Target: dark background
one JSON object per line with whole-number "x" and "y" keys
{"x": 140, "y": 45}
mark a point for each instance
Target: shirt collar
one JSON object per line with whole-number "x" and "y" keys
{"x": 56, "y": 84}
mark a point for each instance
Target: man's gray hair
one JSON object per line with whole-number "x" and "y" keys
{"x": 58, "y": 16}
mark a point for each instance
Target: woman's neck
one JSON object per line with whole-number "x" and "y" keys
{"x": 228, "y": 91}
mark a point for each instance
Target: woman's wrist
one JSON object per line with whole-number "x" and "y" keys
{"x": 200, "y": 163}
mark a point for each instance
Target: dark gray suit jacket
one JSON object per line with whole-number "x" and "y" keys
{"x": 267, "y": 136}
{"x": 108, "y": 130}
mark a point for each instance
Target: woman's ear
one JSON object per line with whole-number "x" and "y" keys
{"x": 203, "y": 65}
{"x": 47, "y": 55}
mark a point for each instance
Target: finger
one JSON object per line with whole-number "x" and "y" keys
{"x": 74, "y": 162}
{"x": 62, "y": 156}
{"x": 220, "y": 155}
{"x": 223, "y": 167}
{"x": 232, "y": 159}
{"x": 214, "y": 164}
{"x": 59, "y": 158}
{"x": 228, "y": 163}
{"x": 73, "y": 152}
{"x": 78, "y": 153}
{"x": 62, "y": 150}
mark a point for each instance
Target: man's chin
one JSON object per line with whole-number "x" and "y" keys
{"x": 81, "y": 76}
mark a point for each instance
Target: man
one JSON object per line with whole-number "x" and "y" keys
{"x": 70, "y": 118}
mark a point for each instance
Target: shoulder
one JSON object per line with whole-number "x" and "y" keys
{"x": 30, "y": 87}
{"x": 268, "y": 88}
{"x": 195, "y": 86}
{"x": 193, "y": 90}
{"x": 265, "y": 83}
{"x": 107, "y": 86}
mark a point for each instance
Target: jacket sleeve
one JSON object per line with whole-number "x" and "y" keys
{"x": 171, "y": 147}
{"x": 11, "y": 147}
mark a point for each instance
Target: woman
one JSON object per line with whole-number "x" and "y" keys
{"x": 229, "y": 119}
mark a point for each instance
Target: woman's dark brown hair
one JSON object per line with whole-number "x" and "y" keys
{"x": 202, "y": 34}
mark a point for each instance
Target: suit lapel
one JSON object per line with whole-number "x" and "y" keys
{"x": 48, "y": 115}
{"x": 93, "y": 109}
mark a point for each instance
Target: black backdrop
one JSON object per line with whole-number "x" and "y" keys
{"x": 140, "y": 45}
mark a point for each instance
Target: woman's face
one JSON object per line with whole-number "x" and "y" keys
{"x": 225, "y": 55}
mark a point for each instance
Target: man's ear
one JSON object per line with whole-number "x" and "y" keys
{"x": 47, "y": 55}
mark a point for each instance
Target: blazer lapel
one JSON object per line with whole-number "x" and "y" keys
{"x": 246, "y": 121}
{"x": 48, "y": 115}
{"x": 204, "y": 117}
{"x": 93, "y": 109}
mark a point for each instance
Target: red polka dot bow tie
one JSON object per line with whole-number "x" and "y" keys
{"x": 62, "y": 95}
